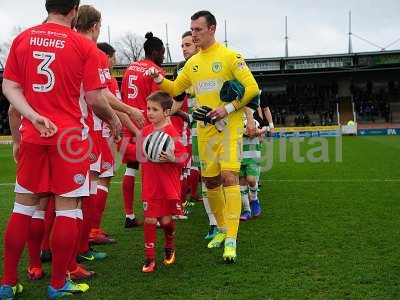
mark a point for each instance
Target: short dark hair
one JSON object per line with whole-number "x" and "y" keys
{"x": 62, "y": 7}
{"x": 186, "y": 34}
{"x": 151, "y": 44}
{"x": 106, "y": 48}
{"x": 87, "y": 17}
{"x": 161, "y": 97}
{"x": 210, "y": 18}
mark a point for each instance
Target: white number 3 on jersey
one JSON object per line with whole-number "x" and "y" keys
{"x": 44, "y": 69}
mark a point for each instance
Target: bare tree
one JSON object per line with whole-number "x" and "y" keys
{"x": 5, "y": 46}
{"x": 130, "y": 48}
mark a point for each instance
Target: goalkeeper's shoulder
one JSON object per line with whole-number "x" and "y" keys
{"x": 233, "y": 55}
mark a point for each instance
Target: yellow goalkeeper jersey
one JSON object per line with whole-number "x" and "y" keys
{"x": 206, "y": 72}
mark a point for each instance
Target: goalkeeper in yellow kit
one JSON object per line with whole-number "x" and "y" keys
{"x": 220, "y": 133}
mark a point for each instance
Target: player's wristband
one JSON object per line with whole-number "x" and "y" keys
{"x": 230, "y": 108}
{"x": 271, "y": 125}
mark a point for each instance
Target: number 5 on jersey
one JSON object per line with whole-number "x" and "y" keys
{"x": 44, "y": 69}
{"x": 132, "y": 87}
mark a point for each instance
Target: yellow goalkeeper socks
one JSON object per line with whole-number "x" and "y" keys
{"x": 232, "y": 210}
{"x": 216, "y": 199}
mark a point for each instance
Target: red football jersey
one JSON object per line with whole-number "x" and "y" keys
{"x": 162, "y": 180}
{"x": 180, "y": 125}
{"x": 136, "y": 86}
{"x": 114, "y": 88}
{"x": 52, "y": 63}
{"x": 95, "y": 123}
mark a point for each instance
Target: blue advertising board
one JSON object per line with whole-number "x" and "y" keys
{"x": 379, "y": 131}
{"x": 307, "y": 134}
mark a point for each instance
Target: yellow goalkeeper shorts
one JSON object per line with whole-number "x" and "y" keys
{"x": 219, "y": 151}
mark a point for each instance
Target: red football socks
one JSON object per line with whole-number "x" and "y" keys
{"x": 15, "y": 237}
{"x": 62, "y": 242}
{"x": 48, "y": 223}
{"x": 79, "y": 222}
{"x": 88, "y": 212}
{"x": 194, "y": 182}
{"x": 36, "y": 231}
{"x": 128, "y": 191}
{"x": 150, "y": 237}
{"x": 100, "y": 205}
{"x": 169, "y": 234}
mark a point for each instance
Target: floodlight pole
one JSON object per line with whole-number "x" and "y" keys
{"x": 350, "y": 34}
{"x": 226, "y": 36}
{"x": 286, "y": 39}
{"x": 169, "y": 59}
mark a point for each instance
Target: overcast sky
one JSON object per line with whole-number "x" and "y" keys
{"x": 255, "y": 27}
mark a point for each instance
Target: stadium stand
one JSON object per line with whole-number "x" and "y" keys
{"x": 316, "y": 90}
{"x": 4, "y": 127}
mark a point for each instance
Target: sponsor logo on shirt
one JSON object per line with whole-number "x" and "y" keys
{"x": 137, "y": 68}
{"x": 216, "y": 67}
{"x": 206, "y": 86}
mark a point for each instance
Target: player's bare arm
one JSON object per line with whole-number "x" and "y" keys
{"x": 268, "y": 115}
{"x": 14, "y": 118}
{"x": 127, "y": 122}
{"x": 136, "y": 115}
{"x": 104, "y": 111}
{"x": 176, "y": 106}
{"x": 251, "y": 129}
{"x": 13, "y": 92}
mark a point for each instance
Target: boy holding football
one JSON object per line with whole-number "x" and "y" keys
{"x": 163, "y": 160}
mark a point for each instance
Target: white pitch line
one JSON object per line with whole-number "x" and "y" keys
{"x": 293, "y": 181}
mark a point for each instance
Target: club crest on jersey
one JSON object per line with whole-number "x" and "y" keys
{"x": 216, "y": 67}
{"x": 195, "y": 68}
{"x": 145, "y": 205}
{"x": 79, "y": 179}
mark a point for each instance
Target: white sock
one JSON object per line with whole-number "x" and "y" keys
{"x": 71, "y": 213}
{"x": 24, "y": 209}
{"x": 130, "y": 216}
{"x": 244, "y": 192}
{"x": 253, "y": 192}
{"x": 211, "y": 217}
{"x": 230, "y": 242}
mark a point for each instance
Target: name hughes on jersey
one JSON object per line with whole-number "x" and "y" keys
{"x": 47, "y": 42}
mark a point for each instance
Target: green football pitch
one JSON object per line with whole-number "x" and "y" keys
{"x": 329, "y": 230}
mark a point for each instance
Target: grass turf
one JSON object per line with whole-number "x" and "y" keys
{"x": 329, "y": 230}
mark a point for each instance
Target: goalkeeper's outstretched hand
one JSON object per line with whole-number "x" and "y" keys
{"x": 155, "y": 74}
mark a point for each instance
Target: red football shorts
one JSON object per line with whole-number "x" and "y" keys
{"x": 107, "y": 157}
{"x": 95, "y": 154}
{"x": 59, "y": 169}
{"x": 160, "y": 208}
